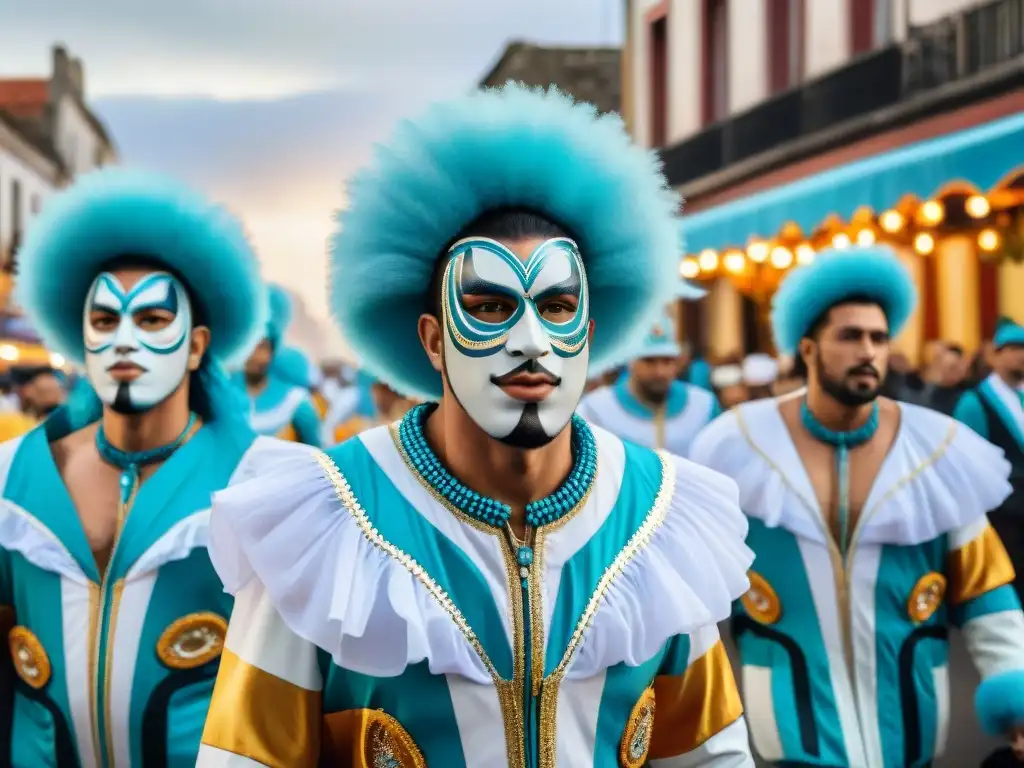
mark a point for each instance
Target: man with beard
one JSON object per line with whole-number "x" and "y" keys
{"x": 118, "y": 615}
{"x": 491, "y": 581}
{"x": 650, "y": 406}
{"x": 995, "y": 410}
{"x": 278, "y": 406}
{"x": 868, "y": 522}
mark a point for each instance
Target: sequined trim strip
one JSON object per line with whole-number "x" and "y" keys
{"x": 352, "y": 505}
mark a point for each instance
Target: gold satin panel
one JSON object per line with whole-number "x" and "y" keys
{"x": 288, "y": 433}
{"x": 320, "y": 404}
{"x": 260, "y": 716}
{"x": 366, "y": 738}
{"x": 693, "y": 707}
{"x": 978, "y": 567}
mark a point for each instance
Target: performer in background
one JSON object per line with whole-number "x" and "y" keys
{"x": 868, "y": 522}
{"x": 651, "y": 406}
{"x": 489, "y": 582}
{"x": 119, "y": 617}
{"x": 995, "y": 410}
{"x": 278, "y": 406}
{"x": 294, "y": 366}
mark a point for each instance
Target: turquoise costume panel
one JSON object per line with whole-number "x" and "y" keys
{"x": 284, "y": 410}
{"x": 115, "y": 669}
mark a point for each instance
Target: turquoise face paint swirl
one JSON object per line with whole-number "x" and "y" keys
{"x": 528, "y": 339}
{"x": 161, "y": 354}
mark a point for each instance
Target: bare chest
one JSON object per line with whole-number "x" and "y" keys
{"x": 95, "y": 491}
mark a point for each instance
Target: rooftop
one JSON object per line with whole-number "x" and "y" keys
{"x": 588, "y": 74}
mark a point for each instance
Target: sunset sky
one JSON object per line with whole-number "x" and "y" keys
{"x": 269, "y": 109}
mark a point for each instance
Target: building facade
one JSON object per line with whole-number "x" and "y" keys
{"x": 48, "y": 136}
{"x": 889, "y": 113}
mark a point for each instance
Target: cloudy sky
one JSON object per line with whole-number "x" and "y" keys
{"x": 270, "y": 109}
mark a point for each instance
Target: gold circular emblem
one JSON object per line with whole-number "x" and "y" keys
{"x": 760, "y": 600}
{"x": 636, "y": 739}
{"x": 386, "y": 744}
{"x": 192, "y": 640}
{"x": 926, "y": 597}
{"x": 29, "y": 656}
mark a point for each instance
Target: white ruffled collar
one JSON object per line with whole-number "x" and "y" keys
{"x": 300, "y": 530}
{"x": 938, "y": 475}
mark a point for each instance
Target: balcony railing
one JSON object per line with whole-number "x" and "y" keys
{"x": 948, "y": 51}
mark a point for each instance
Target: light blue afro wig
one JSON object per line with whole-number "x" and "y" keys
{"x": 510, "y": 147}
{"x": 121, "y": 212}
{"x": 1008, "y": 333}
{"x": 836, "y": 276}
{"x": 292, "y": 365}
{"x": 280, "y": 313}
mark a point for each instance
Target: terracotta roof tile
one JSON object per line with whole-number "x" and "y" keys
{"x": 24, "y": 97}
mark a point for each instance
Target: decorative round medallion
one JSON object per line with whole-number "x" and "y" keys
{"x": 29, "y": 656}
{"x": 636, "y": 739}
{"x": 926, "y": 597}
{"x": 760, "y": 600}
{"x": 192, "y": 640}
{"x": 386, "y": 744}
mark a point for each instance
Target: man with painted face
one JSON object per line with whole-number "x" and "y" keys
{"x": 650, "y": 406}
{"x": 280, "y": 402}
{"x": 995, "y": 410}
{"x": 868, "y": 518}
{"x": 490, "y": 581}
{"x": 116, "y": 616}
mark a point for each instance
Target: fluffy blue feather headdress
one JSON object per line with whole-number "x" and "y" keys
{"x": 833, "y": 277}
{"x": 292, "y": 365}
{"x": 119, "y": 212}
{"x": 280, "y": 313}
{"x": 501, "y": 148}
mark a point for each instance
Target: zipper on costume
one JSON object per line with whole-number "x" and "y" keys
{"x": 101, "y": 643}
{"x": 531, "y": 698}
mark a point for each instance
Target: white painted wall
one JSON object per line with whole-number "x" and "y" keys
{"x": 748, "y": 54}
{"x": 826, "y": 35}
{"x": 685, "y": 53}
{"x": 33, "y": 185}
{"x": 76, "y": 140}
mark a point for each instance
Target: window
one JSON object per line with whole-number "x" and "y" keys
{"x": 785, "y": 43}
{"x": 16, "y": 218}
{"x": 716, "y": 61}
{"x": 658, "y": 41}
{"x": 863, "y": 16}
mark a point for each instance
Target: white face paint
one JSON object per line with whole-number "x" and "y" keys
{"x": 129, "y": 328}
{"x": 503, "y": 318}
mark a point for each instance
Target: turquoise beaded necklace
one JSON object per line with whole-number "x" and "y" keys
{"x": 491, "y": 511}
{"x": 130, "y": 462}
{"x": 842, "y": 442}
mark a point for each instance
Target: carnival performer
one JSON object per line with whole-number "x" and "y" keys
{"x": 868, "y": 522}
{"x": 651, "y": 406}
{"x": 119, "y": 617}
{"x": 279, "y": 406}
{"x": 294, "y": 366}
{"x": 489, "y": 582}
{"x": 995, "y": 410}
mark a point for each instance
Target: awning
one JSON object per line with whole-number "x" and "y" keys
{"x": 981, "y": 156}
